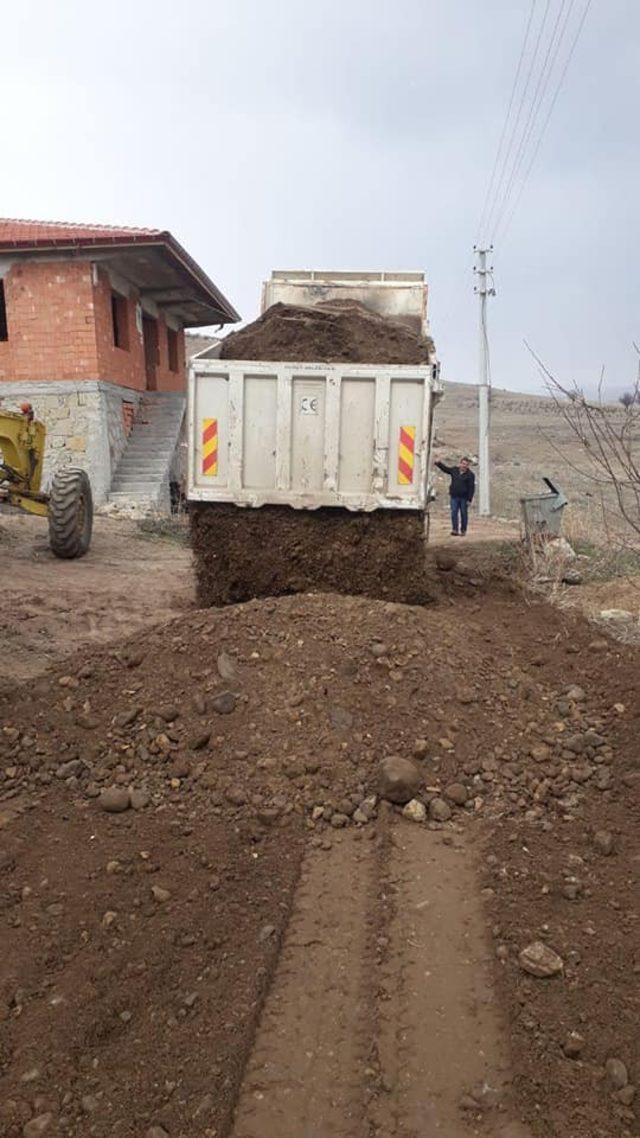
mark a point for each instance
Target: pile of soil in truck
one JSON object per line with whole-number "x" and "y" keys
{"x": 276, "y": 550}
{"x": 334, "y": 331}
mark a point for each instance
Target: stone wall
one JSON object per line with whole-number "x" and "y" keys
{"x": 85, "y": 425}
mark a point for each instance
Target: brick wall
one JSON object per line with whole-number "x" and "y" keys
{"x": 168, "y": 380}
{"x": 117, "y": 365}
{"x": 127, "y": 365}
{"x": 50, "y": 322}
{"x": 60, "y": 327}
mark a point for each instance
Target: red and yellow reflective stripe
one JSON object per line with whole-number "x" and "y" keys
{"x": 210, "y": 447}
{"x": 406, "y": 455}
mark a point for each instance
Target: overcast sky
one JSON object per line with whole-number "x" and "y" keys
{"x": 343, "y": 133}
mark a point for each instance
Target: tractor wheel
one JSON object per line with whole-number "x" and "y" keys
{"x": 70, "y": 513}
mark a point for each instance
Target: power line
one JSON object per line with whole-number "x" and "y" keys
{"x": 548, "y": 118}
{"x": 544, "y": 78}
{"x": 503, "y": 135}
{"x": 514, "y": 130}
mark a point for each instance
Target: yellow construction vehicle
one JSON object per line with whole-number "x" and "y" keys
{"x": 68, "y": 505}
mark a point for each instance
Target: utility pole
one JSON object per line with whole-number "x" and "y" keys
{"x": 484, "y": 383}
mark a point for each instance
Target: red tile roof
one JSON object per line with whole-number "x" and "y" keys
{"x": 21, "y": 235}
{"x": 16, "y": 231}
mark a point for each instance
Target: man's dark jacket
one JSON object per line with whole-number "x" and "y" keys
{"x": 463, "y": 483}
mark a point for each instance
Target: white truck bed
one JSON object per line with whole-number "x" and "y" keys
{"x": 310, "y": 435}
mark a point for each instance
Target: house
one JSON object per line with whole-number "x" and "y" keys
{"x": 92, "y": 322}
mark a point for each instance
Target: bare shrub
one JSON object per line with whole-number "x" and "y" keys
{"x": 609, "y": 439}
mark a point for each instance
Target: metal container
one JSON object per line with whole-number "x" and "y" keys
{"x": 399, "y": 296}
{"x": 542, "y": 513}
{"x": 309, "y": 434}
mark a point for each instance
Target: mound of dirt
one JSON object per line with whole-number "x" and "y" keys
{"x": 330, "y": 332}
{"x": 276, "y": 550}
{"x": 138, "y": 946}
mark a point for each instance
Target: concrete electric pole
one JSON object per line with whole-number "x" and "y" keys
{"x": 484, "y": 383}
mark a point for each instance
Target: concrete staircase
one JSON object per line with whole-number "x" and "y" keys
{"x": 141, "y": 480}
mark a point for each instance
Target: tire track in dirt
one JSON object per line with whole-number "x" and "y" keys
{"x": 440, "y": 1038}
{"x": 381, "y": 1017}
{"x": 306, "y": 1075}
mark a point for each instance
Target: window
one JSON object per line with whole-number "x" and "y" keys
{"x": 4, "y": 330}
{"x": 172, "y": 344}
{"x": 120, "y": 321}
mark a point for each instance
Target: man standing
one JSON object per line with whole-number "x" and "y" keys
{"x": 461, "y": 491}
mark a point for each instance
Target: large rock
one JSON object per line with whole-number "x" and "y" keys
{"x": 576, "y": 693}
{"x": 415, "y": 811}
{"x": 439, "y": 810}
{"x": 400, "y": 780}
{"x": 224, "y": 704}
{"x": 616, "y": 616}
{"x": 617, "y": 1073}
{"x": 558, "y": 552}
{"x": 115, "y": 799}
{"x": 539, "y": 960}
{"x": 38, "y": 1126}
{"x": 572, "y": 577}
{"x": 457, "y": 793}
{"x": 604, "y": 842}
{"x": 226, "y": 667}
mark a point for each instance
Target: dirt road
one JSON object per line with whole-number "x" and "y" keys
{"x": 255, "y": 943}
{"x": 50, "y": 608}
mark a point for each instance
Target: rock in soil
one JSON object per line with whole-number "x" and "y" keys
{"x": 573, "y": 1045}
{"x": 399, "y": 780}
{"x": 457, "y": 793}
{"x": 37, "y": 1126}
{"x": 541, "y": 961}
{"x": 224, "y": 704}
{"x": 617, "y": 1074}
{"x": 415, "y": 811}
{"x": 339, "y": 821}
{"x": 114, "y": 799}
{"x": 160, "y": 895}
{"x": 572, "y": 577}
{"x": 439, "y": 810}
{"x": 604, "y": 842}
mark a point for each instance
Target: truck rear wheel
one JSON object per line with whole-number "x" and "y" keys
{"x": 70, "y": 513}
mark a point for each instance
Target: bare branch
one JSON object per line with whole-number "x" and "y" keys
{"x": 609, "y": 438}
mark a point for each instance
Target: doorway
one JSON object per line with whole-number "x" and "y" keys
{"x": 151, "y": 353}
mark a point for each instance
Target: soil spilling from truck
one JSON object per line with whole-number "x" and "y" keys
{"x": 276, "y": 550}
{"x": 336, "y": 331}
{"x": 155, "y": 801}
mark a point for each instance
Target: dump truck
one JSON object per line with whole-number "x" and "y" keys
{"x": 315, "y": 474}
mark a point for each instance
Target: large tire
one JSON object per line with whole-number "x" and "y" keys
{"x": 70, "y": 513}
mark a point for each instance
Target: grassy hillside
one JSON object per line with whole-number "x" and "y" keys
{"x": 529, "y": 440}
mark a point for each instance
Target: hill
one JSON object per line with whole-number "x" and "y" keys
{"x": 529, "y": 440}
